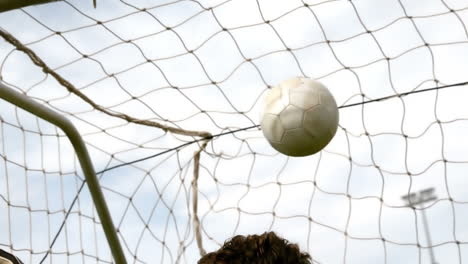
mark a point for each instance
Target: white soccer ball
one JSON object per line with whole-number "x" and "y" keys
{"x": 300, "y": 117}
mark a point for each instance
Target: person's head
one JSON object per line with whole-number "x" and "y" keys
{"x": 267, "y": 248}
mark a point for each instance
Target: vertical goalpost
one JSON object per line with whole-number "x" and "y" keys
{"x": 22, "y": 101}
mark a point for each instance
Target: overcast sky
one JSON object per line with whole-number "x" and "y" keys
{"x": 337, "y": 205}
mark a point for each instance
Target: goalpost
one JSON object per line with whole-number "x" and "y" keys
{"x": 22, "y": 101}
{"x": 165, "y": 96}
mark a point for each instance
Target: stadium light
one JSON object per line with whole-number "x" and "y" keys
{"x": 416, "y": 198}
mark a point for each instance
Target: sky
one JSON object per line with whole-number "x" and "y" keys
{"x": 173, "y": 63}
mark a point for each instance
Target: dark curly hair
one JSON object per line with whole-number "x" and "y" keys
{"x": 267, "y": 248}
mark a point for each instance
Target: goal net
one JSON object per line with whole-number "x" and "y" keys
{"x": 166, "y": 95}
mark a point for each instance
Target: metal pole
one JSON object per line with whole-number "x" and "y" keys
{"x": 414, "y": 199}
{"x": 63, "y": 123}
{"x": 428, "y": 236}
{"x": 7, "y": 5}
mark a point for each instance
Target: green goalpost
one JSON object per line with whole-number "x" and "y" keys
{"x": 22, "y": 101}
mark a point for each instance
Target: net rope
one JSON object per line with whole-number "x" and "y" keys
{"x": 167, "y": 98}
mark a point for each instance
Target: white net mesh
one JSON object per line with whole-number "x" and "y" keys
{"x": 147, "y": 80}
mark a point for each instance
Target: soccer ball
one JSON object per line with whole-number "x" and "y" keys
{"x": 300, "y": 117}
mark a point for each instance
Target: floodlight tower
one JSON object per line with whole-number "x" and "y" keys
{"x": 416, "y": 198}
